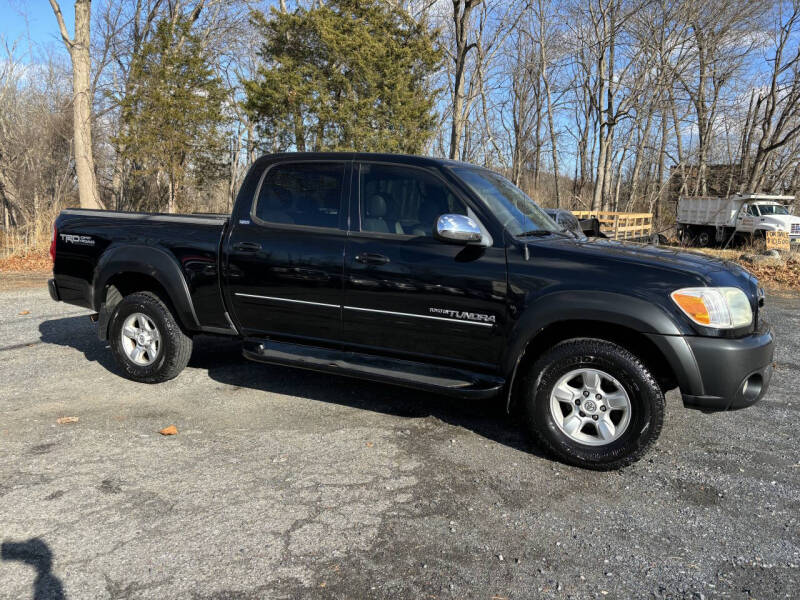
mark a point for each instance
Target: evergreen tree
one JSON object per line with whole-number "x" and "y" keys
{"x": 345, "y": 75}
{"x": 173, "y": 114}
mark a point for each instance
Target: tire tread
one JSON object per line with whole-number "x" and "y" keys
{"x": 591, "y": 346}
{"x": 181, "y": 343}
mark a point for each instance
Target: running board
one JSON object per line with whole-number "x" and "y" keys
{"x": 451, "y": 381}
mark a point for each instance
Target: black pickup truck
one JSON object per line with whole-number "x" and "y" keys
{"x": 431, "y": 274}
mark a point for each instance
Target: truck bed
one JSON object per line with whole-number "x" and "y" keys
{"x": 93, "y": 246}
{"x": 719, "y": 212}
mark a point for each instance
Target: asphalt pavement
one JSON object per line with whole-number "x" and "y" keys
{"x": 289, "y": 484}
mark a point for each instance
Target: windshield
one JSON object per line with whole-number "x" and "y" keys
{"x": 772, "y": 209}
{"x": 514, "y": 209}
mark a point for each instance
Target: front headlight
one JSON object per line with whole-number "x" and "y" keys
{"x": 719, "y": 307}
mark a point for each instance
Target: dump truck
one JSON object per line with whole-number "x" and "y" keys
{"x": 705, "y": 221}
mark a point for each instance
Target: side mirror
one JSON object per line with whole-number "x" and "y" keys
{"x": 457, "y": 229}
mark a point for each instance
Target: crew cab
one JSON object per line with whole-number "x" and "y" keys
{"x": 431, "y": 274}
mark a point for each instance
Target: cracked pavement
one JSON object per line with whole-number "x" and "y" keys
{"x": 291, "y": 484}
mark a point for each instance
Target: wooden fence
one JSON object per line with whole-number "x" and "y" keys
{"x": 620, "y": 225}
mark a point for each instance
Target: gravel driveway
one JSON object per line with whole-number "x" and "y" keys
{"x": 291, "y": 484}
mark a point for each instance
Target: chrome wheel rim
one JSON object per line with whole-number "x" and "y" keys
{"x": 590, "y": 407}
{"x": 141, "y": 340}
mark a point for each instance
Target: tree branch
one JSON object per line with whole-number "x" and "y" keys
{"x": 61, "y": 25}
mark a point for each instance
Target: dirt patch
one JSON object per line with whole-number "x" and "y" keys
{"x": 783, "y": 274}
{"x": 33, "y": 261}
{"x": 28, "y": 279}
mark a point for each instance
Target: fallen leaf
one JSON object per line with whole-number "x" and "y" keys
{"x": 370, "y": 444}
{"x": 25, "y": 312}
{"x": 323, "y": 584}
{"x": 67, "y": 420}
{"x": 171, "y": 430}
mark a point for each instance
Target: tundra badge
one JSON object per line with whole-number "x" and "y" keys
{"x": 462, "y": 315}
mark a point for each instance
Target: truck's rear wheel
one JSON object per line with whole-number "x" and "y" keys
{"x": 703, "y": 238}
{"x": 146, "y": 340}
{"x": 592, "y": 404}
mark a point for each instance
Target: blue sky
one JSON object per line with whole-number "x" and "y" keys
{"x": 24, "y": 20}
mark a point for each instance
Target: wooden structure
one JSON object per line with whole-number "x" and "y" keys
{"x": 620, "y": 225}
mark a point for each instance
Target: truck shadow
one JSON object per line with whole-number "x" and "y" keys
{"x": 223, "y": 361}
{"x": 36, "y": 553}
{"x": 78, "y": 333}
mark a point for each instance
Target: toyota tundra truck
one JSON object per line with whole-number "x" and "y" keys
{"x": 431, "y": 274}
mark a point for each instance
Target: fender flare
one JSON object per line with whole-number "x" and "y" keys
{"x": 155, "y": 263}
{"x": 608, "y": 308}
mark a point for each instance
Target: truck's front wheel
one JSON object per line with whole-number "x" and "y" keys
{"x": 146, "y": 340}
{"x": 593, "y": 404}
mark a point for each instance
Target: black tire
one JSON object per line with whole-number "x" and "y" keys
{"x": 704, "y": 238}
{"x": 175, "y": 347}
{"x": 646, "y": 400}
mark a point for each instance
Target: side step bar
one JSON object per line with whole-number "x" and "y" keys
{"x": 451, "y": 381}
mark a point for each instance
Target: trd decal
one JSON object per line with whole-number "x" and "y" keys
{"x": 81, "y": 240}
{"x": 462, "y": 315}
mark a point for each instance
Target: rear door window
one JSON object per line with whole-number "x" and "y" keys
{"x": 305, "y": 194}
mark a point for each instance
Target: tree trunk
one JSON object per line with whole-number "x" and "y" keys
{"x": 299, "y": 131}
{"x": 554, "y": 148}
{"x": 81, "y": 99}
{"x": 662, "y": 153}
{"x": 599, "y": 185}
{"x": 461, "y": 14}
{"x": 640, "y": 150}
{"x": 171, "y": 200}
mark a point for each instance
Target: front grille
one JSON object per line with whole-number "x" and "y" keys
{"x": 795, "y": 228}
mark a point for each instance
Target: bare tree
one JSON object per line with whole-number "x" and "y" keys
{"x": 721, "y": 39}
{"x": 36, "y": 161}
{"x": 78, "y": 48}
{"x": 462, "y": 12}
{"x": 773, "y": 119}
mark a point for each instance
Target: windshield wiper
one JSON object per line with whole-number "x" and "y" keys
{"x": 541, "y": 233}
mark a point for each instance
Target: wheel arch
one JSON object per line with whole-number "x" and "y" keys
{"x": 568, "y": 315}
{"x": 129, "y": 269}
{"x": 638, "y": 343}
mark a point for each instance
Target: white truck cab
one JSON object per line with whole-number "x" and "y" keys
{"x": 767, "y": 215}
{"x": 706, "y": 220}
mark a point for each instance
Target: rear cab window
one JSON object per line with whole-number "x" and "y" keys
{"x": 307, "y": 194}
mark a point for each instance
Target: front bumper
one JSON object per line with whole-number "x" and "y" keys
{"x": 735, "y": 373}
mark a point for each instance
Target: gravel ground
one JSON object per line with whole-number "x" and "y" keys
{"x": 290, "y": 484}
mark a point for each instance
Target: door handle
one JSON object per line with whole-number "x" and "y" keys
{"x": 247, "y": 246}
{"x": 368, "y": 258}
